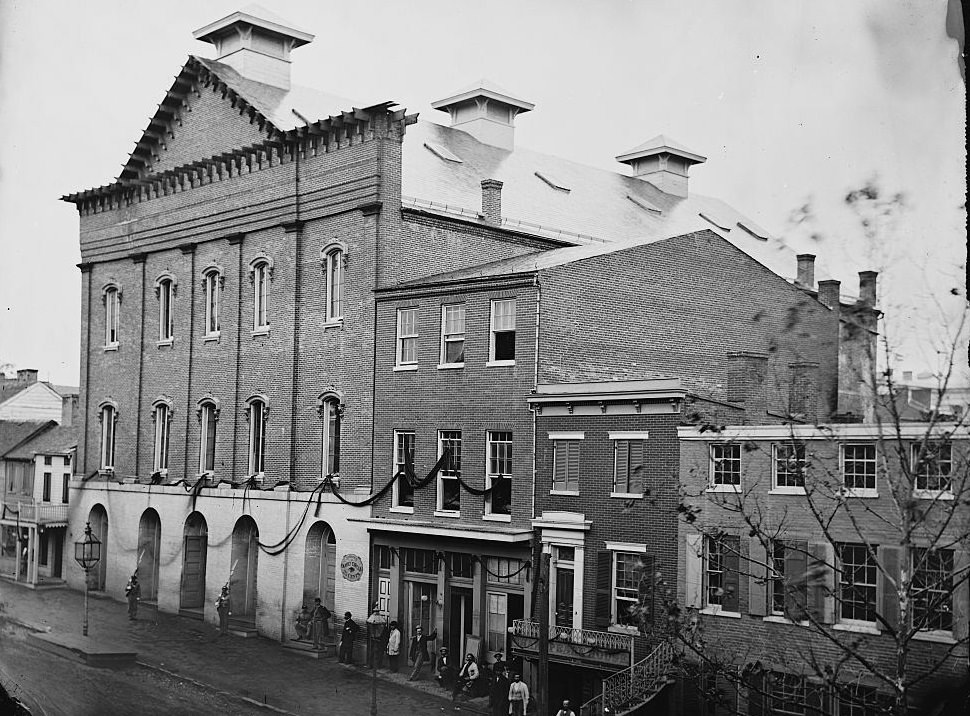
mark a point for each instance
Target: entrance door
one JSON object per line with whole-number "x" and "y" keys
{"x": 149, "y": 547}
{"x": 459, "y": 623}
{"x": 242, "y": 573}
{"x": 564, "y": 597}
{"x": 195, "y": 544}
{"x": 57, "y": 540}
{"x": 97, "y": 577}
{"x": 421, "y": 606}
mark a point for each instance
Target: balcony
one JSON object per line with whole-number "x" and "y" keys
{"x": 27, "y": 511}
{"x": 581, "y": 647}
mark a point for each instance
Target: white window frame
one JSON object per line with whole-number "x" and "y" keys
{"x": 109, "y": 426}
{"x": 447, "y": 338}
{"x": 625, "y": 550}
{"x": 261, "y": 279}
{"x": 490, "y": 474}
{"x": 493, "y": 329}
{"x": 947, "y": 590}
{"x": 330, "y": 416}
{"x": 445, "y": 474}
{"x": 166, "y": 315}
{"x": 112, "y": 317}
{"x": 400, "y": 444}
{"x": 795, "y": 447}
{"x": 207, "y": 408}
{"x": 162, "y": 417}
{"x": 504, "y": 599}
{"x": 629, "y": 437}
{"x": 212, "y": 289}
{"x": 404, "y": 334}
{"x": 714, "y": 485}
{"x": 859, "y": 491}
{"x": 336, "y": 275}
{"x": 708, "y": 606}
{"x": 945, "y": 493}
{"x": 258, "y": 412}
{"x": 851, "y": 623}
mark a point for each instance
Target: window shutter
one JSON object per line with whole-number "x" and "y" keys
{"x": 604, "y": 588}
{"x": 816, "y": 698}
{"x": 820, "y": 582}
{"x": 961, "y": 595}
{"x": 887, "y": 598}
{"x": 694, "y": 569}
{"x": 796, "y": 579}
{"x": 732, "y": 579}
{"x": 756, "y": 684}
{"x": 572, "y": 469}
{"x": 637, "y": 471}
{"x": 621, "y": 462}
{"x": 559, "y": 466}
{"x": 757, "y": 577}
{"x": 645, "y": 588}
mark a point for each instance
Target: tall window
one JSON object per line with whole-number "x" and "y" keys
{"x": 112, "y": 316}
{"x": 257, "y": 436}
{"x": 498, "y": 615}
{"x": 857, "y": 583}
{"x": 449, "y": 491}
{"x": 335, "y": 284}
{"x": 790, "y": 465}
{"x": 162, "y": 417}
{"x": 166, "y": 321}
{"x": 261, "y": 295}
{"x": 208, "y": 415}
{"x": 108, "y": 418}
{"x": 501, "y": 343}
{"x": 788, "y": 694}
{"x": 212, "y": 286}
{"x": 499, "y": 474}
{"x": 628, "y": 466}
{"x": 933, "y": 590}
{"x": 725, "y": 464}
{"x": 453, "y": 334}
{"x": 788, "y": 588}
{"x": 65, "y": 488}
{"x": 631, "y": 581}
{"x": 407, "y": 336}
{"x": 565, "y": 465}
{"x": 403, "y": 450}
{"x": 330, "y": 413}
{"x": 721, "y": 573}
{"x": 47, "y": 487}
{"x": 932, "y": 463}
{"x": 859, "y": 467}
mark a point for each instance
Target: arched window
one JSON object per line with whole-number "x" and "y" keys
{"x": 258, "y": 413}
{"x": 208, "y": 419}
{"x": 108, "y": 417}
{"x": 261, "y": 270}
{"x": 330, "y": 412}
{"x": 212, "y": 288}
{"x": 162, "y": 416}
{"x": 165, "y": 290}
{"x": 112, "y": 315}
{"x": 334, "y": 260}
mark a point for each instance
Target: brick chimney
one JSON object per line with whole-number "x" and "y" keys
{"x": 27, "y": 376}
{"x": 256, "y": 43}
{"x": 806, "y": 270}
{"x": 746, "y": 384}
{"x": 485, "y": 111}
{"x": 803, "y": 390}
{"x": 828, "y": 294}
{"x": 492, "y": 201}
{"x": 867, "y": 288}
{"x": 69, "y": 410}
{"x": 662, "y": 162}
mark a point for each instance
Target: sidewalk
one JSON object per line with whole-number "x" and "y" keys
{"x": 259, "y": 670}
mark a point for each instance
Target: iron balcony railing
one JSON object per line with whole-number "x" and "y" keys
{"x": 29, "y": 511}
{"x": 629, "y": 689}
{"x": 607, "y": 641}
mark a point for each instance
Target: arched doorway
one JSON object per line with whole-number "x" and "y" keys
{"x": 195, "y": 544}
{"x": 242, "y": 572}
{"x": 319, "y": 565}
{"x": 97, "y": 577}
{"x": 149, "y": 549}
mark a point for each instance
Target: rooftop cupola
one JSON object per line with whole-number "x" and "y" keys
{"x": 662, "y": 162}
{"x": 485, "y": 111}
{"x": 256, "y": 43}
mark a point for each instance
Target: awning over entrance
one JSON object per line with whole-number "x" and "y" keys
{"x": 436, "y": 529}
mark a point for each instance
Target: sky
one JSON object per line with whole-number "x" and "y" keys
{"x": 793, "y": 103}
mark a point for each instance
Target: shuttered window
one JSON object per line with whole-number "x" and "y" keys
{"x": 565, "y": 469}
{"x": 628, "y": 466}
{"x": 721, "y": 573}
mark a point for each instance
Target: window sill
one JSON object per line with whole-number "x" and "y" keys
{"x": 724, "y": 488}
{"x": 111, "y": 347}
{"x": 568, "y": 493}
{"x": 715, "y": 610}
{"x": 405, "y": 368}
{"x": 260, "y": 332}
{"x": 862, "y": 492}
{"x": 857, "y": 627}
{"x": 447, "y": 513}
{"x": 211, "y": 337}
{"x": 333, "y": 323}
{"x": 786, "y": 491}
{"x": 497, "y": 518}
{"x": 106, "y": 472}
{"x": 932, "y": 494}
{"x": 402, "y": 510}
{"x": 940, "y": 637}
{"x": 165, "y": 342}
{"x": 499, "y": 363}
{"x": 450, "y": 366}
{"x": 779, "y": 619}
{"x": 628, "y": 495}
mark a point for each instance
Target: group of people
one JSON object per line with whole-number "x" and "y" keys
{"x": 314, "y": 625}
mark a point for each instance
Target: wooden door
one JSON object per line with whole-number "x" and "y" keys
{"x": 193, "y": 572}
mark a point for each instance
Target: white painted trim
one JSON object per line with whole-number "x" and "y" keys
{"x": 573, "y": 493}
{"x": 402, "y": 509}
{"x": 567, "y": 436}
{"x": 630, "y": 435}
{"x": 857, "y": 627}
{"x": 423, "y": 528}
{"x": 497, "y": 518}
{"x": 938, "y": 636}
{"x": 628, "y": 495}
{"x": 405, "y": 368}
{"x": 626, "y": 547}
{"x": 786, "y": 491}
{"x": 499, "y": 363}
{"x": 736, "y": 489}
{"x": 447, "y": 513}
{"x": 450, "y": 366}
{"x": 715, "y": 610}
{"x": 847, "y": 431}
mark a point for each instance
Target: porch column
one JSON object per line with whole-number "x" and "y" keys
{"x": 35, "y": 562}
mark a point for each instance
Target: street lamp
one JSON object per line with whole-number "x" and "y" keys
{"x": 87, "y": 553}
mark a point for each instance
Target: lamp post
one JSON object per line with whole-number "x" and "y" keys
{"x": 87, "y": 553}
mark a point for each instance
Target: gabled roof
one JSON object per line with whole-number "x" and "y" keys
{"x": 59, "y": 440}
{"x": 14, "y": 433}
{"x": 484, "y": 88}
{"x": 659, "y": 145}
{"x": 10, "y": 388}
{"x": 261, "y": 17}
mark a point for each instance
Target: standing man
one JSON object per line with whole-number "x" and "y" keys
{"x": 499, "y": 691}
{"x": 518, "y": 696}
{"x": 418, "y": 650}
{"x": 376, "y": 626}
{"x": 394, "y": 647}
{"x": 319, "y": 619}
{"x": 223, "y": 607}
{"x": 346, "y": 655}
{"x": 133, "y": 594}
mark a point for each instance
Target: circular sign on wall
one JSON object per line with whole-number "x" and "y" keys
{"x": 351, "y": 567}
